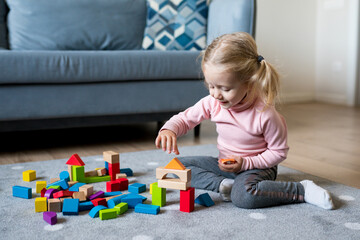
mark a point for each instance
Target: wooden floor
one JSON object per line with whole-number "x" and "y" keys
{"x": 324, "y": 141}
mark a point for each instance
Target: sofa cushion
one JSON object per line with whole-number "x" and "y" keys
{"x": 176, "y": 25}
{"x": 76, "y": 25}
{"x": 3, "y": 31}
{"x": 19, "y": 67}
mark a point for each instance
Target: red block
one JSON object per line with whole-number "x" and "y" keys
{"x": 112, "y": 186}
{"x": 99, "y": 201}
{"x": 124, "y": 183}
{"x": 113, "y": 170}
{"x": 64, "y": 193}
{"x": 187, "y": 199}
{"x": 43, "y": 191}
{"x": 75, "y": 160}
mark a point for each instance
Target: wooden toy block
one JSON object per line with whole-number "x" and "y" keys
{"x": 124, "y": 184}
{"x": 175, "y": 164}
{"x": 70, "y": 173}
{"x": 43, "y": 191}
{"x": 80, "y": 196}
{"x": 63, "y": 193}
{"x": 106, "y": 166}
{"x": 70, "y": 206}
{"x": 94, "y": 212}
{"x": 187, "y": 200}
{"x": 204, "y": 200}
{"x": 54, "y": 205}
{"x": 184, "y": 175}
{"x": 173, "y": 184}
{"x": 151, "y": 186}
{"x": 127, "y": 171}
{"x": 137, "y": 188}
{"x": 29, "y": 175}
{"x": 92, "y": 173}
{"x": 112, "y": 186}
{"x": 40, "y": 204}
{"x": 64, "y": 175}
{"x": 113, "y": 170}
{"x": 101, "y": 172}
{"x": 146, "y": 208}
{"x": 52, "y": 180}
{"x": 62, "y": 199}
{"x": 50, "y": 217}
{"x": 121, "y": 208}
{"x": 62, "y": 183}
{"x": 99, "y": 201}
{"x": 98, "y": 194}
{"x": 75, "y": 160}
{"x": 78, "y": 173}
{"x": 228, "y": 161}
{"x": 49, "y": 193}
{"x": 76, "y": 186}
{"x": 111, "y": 203}
{"x": 40, "y": 185}
{"x": 84, "y": 206}
{"x": 22, "y": 192}
{"x": 97, "y": 179}
{"x": 121, "y": 175}
{"x": 72, "y": 183}
{"x": 158, "y": 195}
{"x": 111, "y": 194}
{"x": 133, "y": 199}
{"x": 55, "y": 187}
{"x": 111, "y": 157}
{"x": 87, "y": 189}
{"x": 106, "y": 214}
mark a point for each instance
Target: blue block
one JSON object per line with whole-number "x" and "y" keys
{"x": 146, "y": 208}
{"x": 95, "y": 211}
{"x": 107, "y": 166}
{"x": 205, "y": 200}
{"x": 71, "y": 206}
{"x": 133, "y": 199}
{"x": 64, "y": 175}
{"x": 137, "y": 188}
{"x": 83, "y": 206}
{"x": 127, "y": 171}
{"x": 115, "y": 201}
{"x": 22, "y": 192}
{"x": 110, "y": 194}
{"x": 62, "y": 183}
{"x": 75, "y": 187}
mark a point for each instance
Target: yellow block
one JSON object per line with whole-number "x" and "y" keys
{"x": 29, "y": 175}
{"x": 41, "y": 204}
{"x": 40, "y": 185}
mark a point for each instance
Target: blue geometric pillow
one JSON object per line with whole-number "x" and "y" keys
{"x": 176, "y": 25}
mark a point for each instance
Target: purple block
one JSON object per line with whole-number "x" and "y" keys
{"x": 50, "y": 217}
{"x": 98, "y": 194}
{"x": 49, "y": 193}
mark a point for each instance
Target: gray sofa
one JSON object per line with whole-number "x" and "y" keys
{"x": 76, "y": 87}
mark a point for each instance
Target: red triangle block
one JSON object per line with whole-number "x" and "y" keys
{"x": 75, "y": 160}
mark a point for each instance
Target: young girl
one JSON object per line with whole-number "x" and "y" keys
{"x": 243, "y": 89}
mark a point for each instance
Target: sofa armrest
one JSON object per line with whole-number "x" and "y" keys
{"x": 227, "y": 16}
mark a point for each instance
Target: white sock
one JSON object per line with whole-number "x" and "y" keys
{"x": 225, "y": 189}
{"x": 316, "y": 195}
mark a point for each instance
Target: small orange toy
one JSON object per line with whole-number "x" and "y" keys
{"x": 228, "y": 161}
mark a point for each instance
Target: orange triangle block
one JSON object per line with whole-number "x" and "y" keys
{"x": 175, "y": 164}
{"x": 75, "y": 160}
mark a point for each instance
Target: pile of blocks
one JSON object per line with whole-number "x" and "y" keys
{"x": 71, "y": 192}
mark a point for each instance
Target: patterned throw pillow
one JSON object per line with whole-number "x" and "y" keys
{"x": 176, "y": 25}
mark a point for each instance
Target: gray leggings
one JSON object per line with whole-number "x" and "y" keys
{"x": 254, "y": 188}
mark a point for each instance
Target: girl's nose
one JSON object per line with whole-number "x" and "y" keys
{"x": 217, "y": 94}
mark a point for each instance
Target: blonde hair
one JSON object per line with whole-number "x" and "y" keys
{"x": 237, "y": 52}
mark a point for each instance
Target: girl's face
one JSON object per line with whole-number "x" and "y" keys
{"x": 224, "y": 86}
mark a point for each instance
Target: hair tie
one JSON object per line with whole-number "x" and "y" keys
{"x": 260, "y": 58}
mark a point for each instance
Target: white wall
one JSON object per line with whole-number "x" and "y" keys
{"x": 314, "y": 44}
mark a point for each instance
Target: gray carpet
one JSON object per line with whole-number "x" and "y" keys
{"x": 221, "y": 221}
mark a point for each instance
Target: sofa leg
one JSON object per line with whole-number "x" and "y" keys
{"x": 197, "y": 131}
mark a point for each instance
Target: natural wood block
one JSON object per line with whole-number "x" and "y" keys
{"x": 92, "y": 173}
{"x": 173, "y": 183}
{"x": 111, "y": 157}
{"x": 87, "y": 189}
{"x": 120, "y": 175}
{"x": 54, "y": 205}
{"x": 80, "y": 196}
{"x": 184, "y": 175}
{"x": 101, "y": 172}
{"x": 52, "y": 180}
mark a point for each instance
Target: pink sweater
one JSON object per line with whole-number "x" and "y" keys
{"x": 259, "y": 137}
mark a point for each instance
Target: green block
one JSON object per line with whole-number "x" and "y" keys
{"x": 158, "y": 195}
{"x": 121, "y": 208}
{"x": 78, "y": 173}
{"x": 97, "y": 179}
{"x": 55, "y": 187}
{"x": 106, "y": 214}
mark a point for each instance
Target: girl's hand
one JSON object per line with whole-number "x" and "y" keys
{"x": 168, "y": 141}
{"x": 235, "y": 167}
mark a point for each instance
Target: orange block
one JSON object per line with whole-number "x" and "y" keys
{"x": 175, "y": 164}
{"x": 228, "y": 161}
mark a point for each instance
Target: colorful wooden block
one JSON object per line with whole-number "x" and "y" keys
{"x": 121, "y": 208}
{"x": 29, "y": 175}
{"x": 228, "y": 161}
{"x": 111, "y": 194}
{"x": 204, "y": 200}
{"x": 133, "y": 199}
{"x": 40, "y": 185}
{"x": 87, "y": 189}
{"x": 184, "y": 175}
{"x": 70, "y": 206}
{"x": 78, "y": 173}
{"x": 84, "y": 206}
{"x": 94, "y": 212}
{"x": 55, "y": 187}
{"x": 173, "y": 183}
{"x": 63, "y": 193}
{"x": 75, "y": 160}
{"x": 70, "y": 173}
{"x": 113, "y": 170}
{"x": 106, "y": 214}
{"x": 111, "y": 157}
{"x": 50, "y": 217}
{"x": 146, "y": 208}
{"x": 127, "y": 171}
{"x": 41, "y": 204}
{"x": 76, "y": 186}
{"x": 101, "y": 172}
{"x": 111, "y": 203}
{"x": 72, "y": 183}
{"x": 158, "y": 195}
{"x": 97, "y": 179}
{"x": 98, "y": 194}
{"x": 50, "y": 192}
{"x": 137, "y": 188}
{"x": 54, "y": 205}
{"x": 80, "y": 196}
{"x": 99, "y": 201}
{"x": 175, "y": 164}
{"x": 187, "y": 200}
{"x": 22, "y": 192}
{"x": 43, "y": 191}
{"x": 124, "y": 184}
{"x": 112, "y": 186}
{"x": 64, "y": 175}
